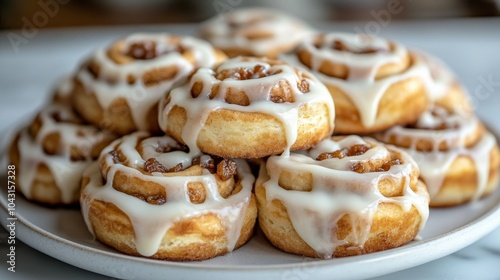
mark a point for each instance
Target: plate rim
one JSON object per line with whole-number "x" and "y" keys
{"x": 481, "y": 226}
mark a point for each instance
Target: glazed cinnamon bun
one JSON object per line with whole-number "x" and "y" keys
{"x": 254, "y": 32}
{"x": 375, "y": 83}
{"x": 248, "y": 108}
{"x": 149, "y": 197}
{"x": 119, "y": 87}
{"x": 458, "y": 158}
{"x": 346, "y": 196}
{"x": 52, "y": 152}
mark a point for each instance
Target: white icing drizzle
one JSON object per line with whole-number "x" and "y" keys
{"x": 64, "y": 88}
{"x": 139, "y": 97}
{"x": 66, "y": 173}
{"x": 151, "y": 222}
{"x": 435, "y": 164}
{"x": 258, "y": 92}
{"x": 338, "y": 191}
{"x": 361, "y": 86}
{"x": 234, "y": 30}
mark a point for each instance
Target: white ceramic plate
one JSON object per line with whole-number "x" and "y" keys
{"x": 61, "y": 233}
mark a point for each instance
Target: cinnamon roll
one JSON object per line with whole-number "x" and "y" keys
{"x": 254, "y": 32}
{"x": 119, "y": 87}
{"x": 248, "y": 108}
{"x": 375, "y": 83}
{"x": 458, "y": 158}
{"x": 52, "y": 152}
{"x": 346, "y": 196}
{"x": 444, "y": 89}
{"x": 149, "y": 197}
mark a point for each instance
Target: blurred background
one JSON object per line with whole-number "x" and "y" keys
{"x": 63, "y": 13}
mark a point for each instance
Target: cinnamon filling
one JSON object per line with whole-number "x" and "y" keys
{"x": 115, "y": 156}
{"x": 363, "y": 168}
{"x": 355, "y": 150}
{"x": 152, "y": 165}
{"x": 167, "y": 148}
{"x": 243, "y": 73}
{"x": 143, "y": 50}
{"x": 156, "y": 199}
{"x": 224, "y": 168}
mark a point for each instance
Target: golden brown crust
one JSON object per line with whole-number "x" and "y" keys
{"x": 391, "y": 227}
{"x": 192, "y": 239}
{"x": 461, "y": 184}
{"x": 117, "y": 117}
{"x": 392, "y": 110}
{"x": 262, "y": 135}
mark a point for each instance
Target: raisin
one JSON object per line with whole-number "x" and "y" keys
{"x": 152, "y": 165}
{"x": 243, "y": 73}
{"x": 358, "y": 168}
{"x": 336, "y": 154}
{"x": 176, "y": 168}
{"x": 303, "y": 86}
{"x": 226, "y": 169}
{"x": 115, "y": 156}
{"x": 357, "y": 150}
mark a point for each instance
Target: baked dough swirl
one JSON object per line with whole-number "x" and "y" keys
{"x": 52, "y": 152}
{"x": 248, "y": 108}
{"x": 254, "y": 32}
{"x": 148, "y": 197}
{"x": 458, "y": 158}
{"x": 375, "y": 83}
{"x": 347, "y": 196}
{"x": 119, "y": 87}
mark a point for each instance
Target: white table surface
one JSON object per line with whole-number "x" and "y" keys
{"x": 470, "y": 47}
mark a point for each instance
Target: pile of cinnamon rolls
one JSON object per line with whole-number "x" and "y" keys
{"x": 336, "y": 144}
